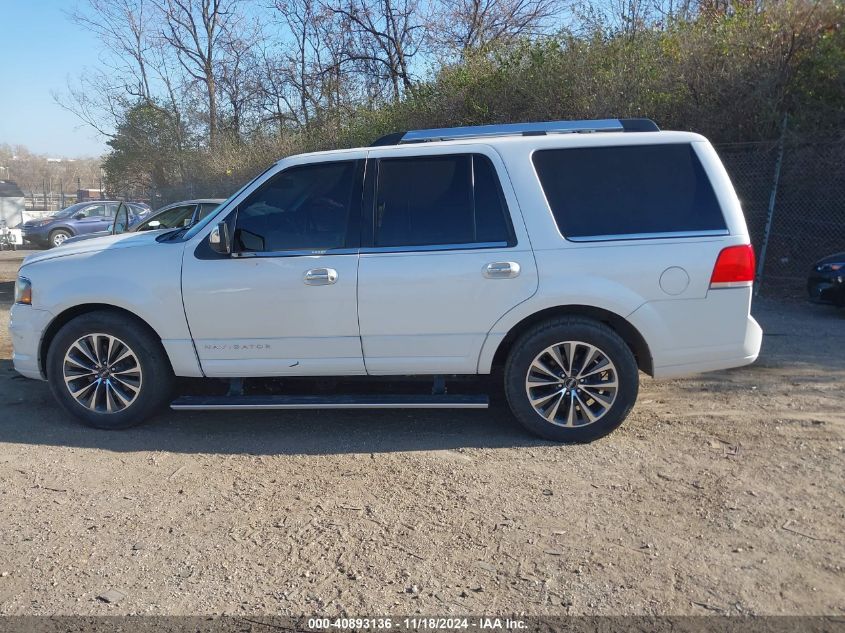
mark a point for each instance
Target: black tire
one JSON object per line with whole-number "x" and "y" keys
{"x": 549, "y": 333}
{"x": 58, "y": 233}
{"x": 155, "y": 380}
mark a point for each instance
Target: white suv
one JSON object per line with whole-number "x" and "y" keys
{"x": 571, "y": 254}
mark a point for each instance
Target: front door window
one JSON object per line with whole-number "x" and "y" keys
{"x": 304, "y": 208}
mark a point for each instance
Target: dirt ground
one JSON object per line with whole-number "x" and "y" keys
{"x": 722, "y": 494}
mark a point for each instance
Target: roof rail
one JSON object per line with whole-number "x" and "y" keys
{"x": 513, "y": 129}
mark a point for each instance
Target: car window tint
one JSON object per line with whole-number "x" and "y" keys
{"x": 302, "y": 208}
{"x": 206, "y": 208}
{"x": 439, "y": 200}
{"x": 95, "y": 210}
{"x": 170, "y": 219}
{"x": 635, "y": 189}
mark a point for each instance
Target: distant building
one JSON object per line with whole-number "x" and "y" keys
{"x": 11, "y": 203}
{"x": 87, "y": 195}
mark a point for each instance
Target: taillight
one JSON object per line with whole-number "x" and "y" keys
{"x": 734, "y": 267}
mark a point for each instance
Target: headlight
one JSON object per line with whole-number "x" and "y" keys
{"x": 830, "y": 268}
{"x": 23, "y": 291}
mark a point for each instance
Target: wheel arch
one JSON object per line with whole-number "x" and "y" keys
{"x": 631, "y": 335}
{"x": 62, "y": 227}
{"x": 61, "y": 319}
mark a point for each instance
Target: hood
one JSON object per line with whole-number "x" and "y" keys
{"x": 95, "y": 245}
{"x": 836, "y": 258}
{"x": 39, "y": 222}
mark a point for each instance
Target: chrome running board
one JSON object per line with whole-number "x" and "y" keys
{"x": 440, "y": 401}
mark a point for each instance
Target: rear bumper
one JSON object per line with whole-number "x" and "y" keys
{"x": 733, "y": 357}
{"x": 26, "y": 326}
{"x": 697, "y": 335}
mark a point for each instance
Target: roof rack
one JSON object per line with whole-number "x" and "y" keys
{"x": 513, "y": 129}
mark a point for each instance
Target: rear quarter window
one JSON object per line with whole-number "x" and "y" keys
{"x": 628, "y": 191}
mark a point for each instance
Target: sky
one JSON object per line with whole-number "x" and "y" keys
{"x": 40, "y": 50}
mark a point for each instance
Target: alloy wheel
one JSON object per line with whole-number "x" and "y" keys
{"x": 102, "y": 373}
{"x": 572, "y": 384}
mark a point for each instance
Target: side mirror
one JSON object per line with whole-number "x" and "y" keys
{"x": 220, "y": 240}
{"x": 79, "y": 216}
{"x": 121, "y": 220}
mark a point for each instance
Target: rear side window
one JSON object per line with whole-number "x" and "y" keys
{"x": 602, "y": 192}
{"x": 440, "y": 200}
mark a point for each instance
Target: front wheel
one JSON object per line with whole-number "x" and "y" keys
{"x": 108, "y": 370}
{"x": 58, "y": 237}
{"x": 571, "y": 380}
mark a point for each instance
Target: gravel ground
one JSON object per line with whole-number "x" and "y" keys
{"x": 721, "y": 494}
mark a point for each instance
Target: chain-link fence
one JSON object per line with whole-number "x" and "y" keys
{"x": 802, "y": 200}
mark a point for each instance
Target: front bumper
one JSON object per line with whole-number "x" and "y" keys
{"x": 35, "y": 235}
{"x": 26, "y": 326}
{"x": 827, "y": 288}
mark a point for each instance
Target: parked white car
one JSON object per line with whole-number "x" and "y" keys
{"x": 572, "y": 254}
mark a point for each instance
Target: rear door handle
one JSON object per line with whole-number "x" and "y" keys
{"x": 501, "y": 270}
{"x": 320, "y": 276}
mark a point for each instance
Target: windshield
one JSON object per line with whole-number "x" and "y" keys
{"x": 196, "y": 228}
{"x": 63, "y": 213}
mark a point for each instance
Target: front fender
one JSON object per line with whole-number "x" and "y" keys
{"x": 61, "y": 227}
{"x": 144, "y": 280}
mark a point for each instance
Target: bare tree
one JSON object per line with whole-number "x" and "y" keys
{"x": 138, "y": 68}
{"x": 238, "y": 71}
{"x": 471, "y": 25}
{"x": 386, "y": 35}
{"x": 299, "y": 64}
{"x": 195, "y": 29}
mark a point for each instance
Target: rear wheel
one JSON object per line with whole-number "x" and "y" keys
{"x": 58, "y": 237}
{"x": 108, "y": 371}
{"x": 571, "y": 380}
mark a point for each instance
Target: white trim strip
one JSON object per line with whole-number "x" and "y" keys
{"x": 730, "y": 284}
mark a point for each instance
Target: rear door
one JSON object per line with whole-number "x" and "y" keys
{"x": 444, "y": 255}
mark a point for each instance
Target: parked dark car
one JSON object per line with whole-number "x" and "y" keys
{"x": 178, "y": 214}
{"x": 826, "y": 283}
{"x": 78, "y": 219}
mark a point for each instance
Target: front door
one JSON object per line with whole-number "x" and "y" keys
{"x": 445, "y": 255}
{"x": 96, "y": 217}
{"x": 284, "y": 303}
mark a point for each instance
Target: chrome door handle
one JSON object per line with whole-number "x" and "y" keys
{"x": 501, "y": 270}
{"x": 320, "y": 276}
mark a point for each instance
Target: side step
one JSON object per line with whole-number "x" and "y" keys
{"x": 439, "y": 401}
